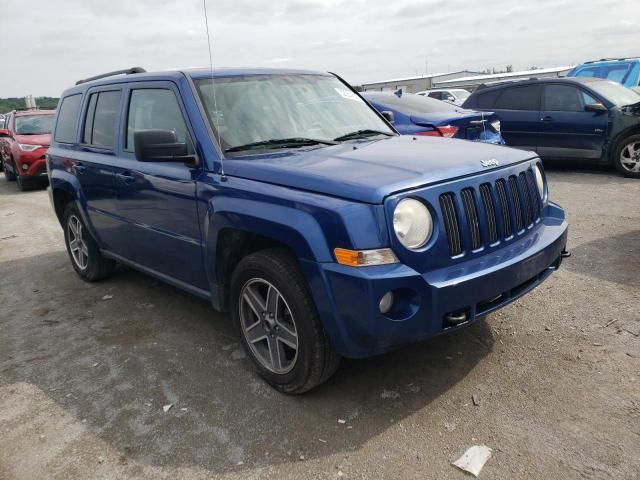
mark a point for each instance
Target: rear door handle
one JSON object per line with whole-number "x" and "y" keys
{"x": 548, "y": 118}
{"x": 125, "y": 177}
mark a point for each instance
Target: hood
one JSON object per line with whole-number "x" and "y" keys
{"x": 374, "y": 169}
{"x": 43, "y": 139}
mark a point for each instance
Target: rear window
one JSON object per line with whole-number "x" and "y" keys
{"x": 68, "y": 119}
{"x": 519, "y": 98}
{"x": 616, "y": 72}
{"x": 410, "y": 104}
{"x": 100, "y": 123}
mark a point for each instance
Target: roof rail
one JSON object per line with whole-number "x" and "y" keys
{"x": 126, "y": 71}
{"x": 612, "y": 59}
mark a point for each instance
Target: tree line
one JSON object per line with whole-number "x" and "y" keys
{"x": 14, "y": 103}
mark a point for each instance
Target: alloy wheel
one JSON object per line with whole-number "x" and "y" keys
{"x": 630, "y": 157}
{"x": 77, "y": 244}
{"x": 268, "y": 326}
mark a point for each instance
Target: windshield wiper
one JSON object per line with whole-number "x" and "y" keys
{"x": 281, "y": 143}
{"x": 367, "y": 132}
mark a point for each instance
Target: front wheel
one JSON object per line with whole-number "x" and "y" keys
{"x": 278, "y": 324}
{"x": 627, "y": 156}
{"x": 10, "y": 175}
{"x": 85, "y": 255}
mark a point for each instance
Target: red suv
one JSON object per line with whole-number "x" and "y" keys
{"x": 24, "y": 141}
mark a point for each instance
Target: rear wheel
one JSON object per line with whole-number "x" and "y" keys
{"x": 278, "y": 324}
{"x": 627, "y": 156}
{"x": 85, "y": 255}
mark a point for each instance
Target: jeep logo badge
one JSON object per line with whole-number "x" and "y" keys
{"x": 489, "y": 163}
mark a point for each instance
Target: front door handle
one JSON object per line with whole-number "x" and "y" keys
{"x": 547, "y": 118}
{"x": 125, "y": 177}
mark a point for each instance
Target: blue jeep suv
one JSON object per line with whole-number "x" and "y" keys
{"x": 283, "y": 197}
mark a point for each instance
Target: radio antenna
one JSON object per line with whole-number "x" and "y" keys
{"x": 213, "y": 88}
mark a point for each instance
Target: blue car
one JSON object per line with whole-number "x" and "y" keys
{"x": 578, "y": 119}
{"x": 284, "y": 198}
{"x": 413, "y": 114}
{"x": 625, "y": 71}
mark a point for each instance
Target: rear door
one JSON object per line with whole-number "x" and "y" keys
{"x": 567, "y": 130}
{"x": 94, "y": 161}
{"x": 156, "y": 201}
{"x": 519, "y": 110}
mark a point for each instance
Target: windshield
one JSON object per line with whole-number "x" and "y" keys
{"x": 258, "y": 108}
{"x": 615, "y": 93}
{"x": 33, "y": 124}
{"x": 412, "y": 104}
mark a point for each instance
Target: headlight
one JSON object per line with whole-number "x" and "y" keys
{"x": 496, "y": 125}
{"x": 28, "y": 148}
{"x": 540, "y": 182}
{"x": 412, "y": 223}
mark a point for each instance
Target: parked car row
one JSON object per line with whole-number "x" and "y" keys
{"x": 24, "y": 140}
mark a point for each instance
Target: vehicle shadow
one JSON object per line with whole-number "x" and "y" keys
{"x": 114, "y": 353}
{"x": 615, "y": 258}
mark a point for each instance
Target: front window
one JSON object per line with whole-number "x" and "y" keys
{"x": 615, "y": 93}
{"x": 258, "y": 108}
{"x": 33, "y": 124}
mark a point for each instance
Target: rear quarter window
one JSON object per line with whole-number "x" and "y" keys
{"x": 68, "y": 119}
{"x": 487, "y": 99}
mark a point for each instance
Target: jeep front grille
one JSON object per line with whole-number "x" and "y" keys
{"x": 497, "y": 212}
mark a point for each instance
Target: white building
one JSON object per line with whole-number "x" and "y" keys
{"x": 470, "y": 82}
{"x": 415, "y": 84}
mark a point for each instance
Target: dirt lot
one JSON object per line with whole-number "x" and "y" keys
{"x": 83, "y": 379}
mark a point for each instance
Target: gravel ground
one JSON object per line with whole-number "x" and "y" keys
{"x": 84, "y": 377}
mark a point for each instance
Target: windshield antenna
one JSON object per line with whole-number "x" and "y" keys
{"x": 213, "y": 88}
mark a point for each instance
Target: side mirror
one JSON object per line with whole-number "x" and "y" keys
{"x": 451, "y": 99}
{"x": 160, "y": 146}
{"x": 4, "y": 133}
{"x": 595, "y": 108}
{"x": 389, "y": 117}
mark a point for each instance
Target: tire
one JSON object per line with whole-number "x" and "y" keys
{"x": 313, "y": 361}
{"x": 627, "y": 156}
{"x": 11, "y": 176}
{"x": 94, "y": 267}
{"x": 23, "y": 186}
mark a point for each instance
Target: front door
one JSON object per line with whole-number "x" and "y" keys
{"x": 156, "y": 201}
{"x": 567, "y": 130}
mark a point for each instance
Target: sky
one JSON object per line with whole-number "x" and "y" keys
{"x": 49, "y": 44}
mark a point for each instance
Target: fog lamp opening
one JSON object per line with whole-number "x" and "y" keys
{"x": 386, "y": 302}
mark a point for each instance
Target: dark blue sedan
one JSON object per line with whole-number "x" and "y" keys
{"x": 418, "y": 115}
{"x": 580, "y": 119}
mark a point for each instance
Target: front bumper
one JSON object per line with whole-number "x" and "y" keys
{"x": 36, "y": 164}
{"x": 348, "y": 297}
